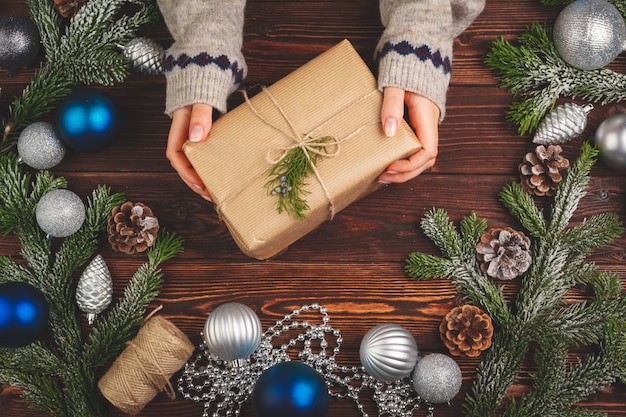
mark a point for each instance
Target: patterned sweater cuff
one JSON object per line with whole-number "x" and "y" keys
{"x": 201, "y": 79}
{"x": 415, "y": 69}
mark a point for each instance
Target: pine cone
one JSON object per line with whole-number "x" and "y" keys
{"x": 132, "y": 228}
{"x": 504, "y": 253}
{"x": 466, "y": 330}
{"x": 540, "y": 172}
{"x": 68, "y": 8}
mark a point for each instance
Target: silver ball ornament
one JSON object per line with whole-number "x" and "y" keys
{"x": 610, "y": 139}
{"x": 232, "y": 331}
{"x": 60, "y": 213}
{"x": 437, "y": 378}
{"x": 589, "y": 34}
{"x": 39, "y": 146}
{"x": 388, "y": 352}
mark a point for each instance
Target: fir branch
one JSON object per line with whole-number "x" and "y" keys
{"x": 496, "y": 372}
{"x": 572, "y": 189}
{"x": 98, "y": 208}
{"x": 472, "y": 228}
{"x": 439, "y": 228}
{"x": 594, "y": 232}
{"x": 11, "y": 271}
{"x": 423, "y": 266}
{"x": 459, "y": 263}
{"x": 521, "y": 205}
{"x": 108, "y": 337}
{"x": 84, "y": 52}
{"x": 534, "y": 72}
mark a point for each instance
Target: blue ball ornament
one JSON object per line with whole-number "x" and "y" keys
{"x": 88, "y": 121}
{"x": 290, "y": 389}
{"x": 23, "y": 314}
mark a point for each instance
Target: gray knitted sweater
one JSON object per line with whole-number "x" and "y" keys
{"x": 205, "y": 63}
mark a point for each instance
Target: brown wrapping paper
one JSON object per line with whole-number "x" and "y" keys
{"x": 335, "y": 94}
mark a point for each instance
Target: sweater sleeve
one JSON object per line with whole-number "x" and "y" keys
{"x": 415, "y": 50}
{"x": 205, "y": 63}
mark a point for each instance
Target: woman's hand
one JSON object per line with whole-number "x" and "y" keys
{"x": 424, "y": 118}
{"x": 189, "y": 123}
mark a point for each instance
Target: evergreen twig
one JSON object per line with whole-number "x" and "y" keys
{"x": 534, "y": 72}
{"x": 59, "y": 377}
{"x": 538, "y": 316}
{"x": 85, "y": 51}
{"x": 287, "y": 178}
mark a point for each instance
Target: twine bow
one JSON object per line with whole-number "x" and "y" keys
{"x": 281, "y": 183}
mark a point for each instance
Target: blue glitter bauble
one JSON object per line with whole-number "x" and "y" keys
{"x": 23, "y": 314}
{"x": 290, "y": 389}
{"x": 88, "y": 121}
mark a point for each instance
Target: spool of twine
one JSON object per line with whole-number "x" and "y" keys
{"x": 146, "y": 365}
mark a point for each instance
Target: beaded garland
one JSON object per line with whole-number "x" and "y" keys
{"x": 224, "y": 386}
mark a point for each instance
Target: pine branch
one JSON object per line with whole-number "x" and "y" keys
{"x": 84, "y": 52}
{"x": 534, "y": 72}
{"x": 423, "y": 266}
{"x": 496, "y": 372}
{"x": 108, "y": 337}
{"x": 521, "y": 205}
{"x": 572, "y": 189}
{"x": 437, "y": 226}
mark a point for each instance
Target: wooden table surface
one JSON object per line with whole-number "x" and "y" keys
{"x": 353, "y": 265}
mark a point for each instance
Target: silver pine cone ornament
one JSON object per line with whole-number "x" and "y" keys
{"x": 563, "y": 123}
{"x": 95, "y": 288}
{"x": 504, "y": 253}
{"x": 145, "y": 55}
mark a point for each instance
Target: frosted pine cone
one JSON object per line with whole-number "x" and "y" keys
{"x": 541, "y": 171}
{"x": 504, "y": 253}
{"x": 68, "y": 8}
{"x": 132, "y": 228}
{"x": 466, "y": 331}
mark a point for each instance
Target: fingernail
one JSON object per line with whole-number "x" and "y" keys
{"x": 392, "y": 172}
{"x": 384, "y": 182}
{"x": 196, "y": 134}
{"x": 198, "y": 187}
{"x": 207, "y": 199}
{"x": 391, "y": 127}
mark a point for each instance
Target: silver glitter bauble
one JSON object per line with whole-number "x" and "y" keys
{"x": 610, "y": 139}
{"x": 437, "y": 378}
{"x": 563, "y": 123}
{"x": 39, "y": 146}
{"x": 589, "y": 34}
{"x": 388, "y": 352}
{"x": 19, "y": 42}
{"x": 60, "y": 213}
{"x": 232, "y": 331}
{"x": 95, "y": 288}
{"x": 145, "y": 55}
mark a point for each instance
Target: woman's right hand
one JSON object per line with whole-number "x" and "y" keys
{"x": 191, "y": 123}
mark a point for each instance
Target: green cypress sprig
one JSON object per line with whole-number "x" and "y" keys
{"x": 287, "y": 178}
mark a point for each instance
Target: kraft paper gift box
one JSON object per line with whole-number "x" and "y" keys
{"x": 334, "y": 95}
